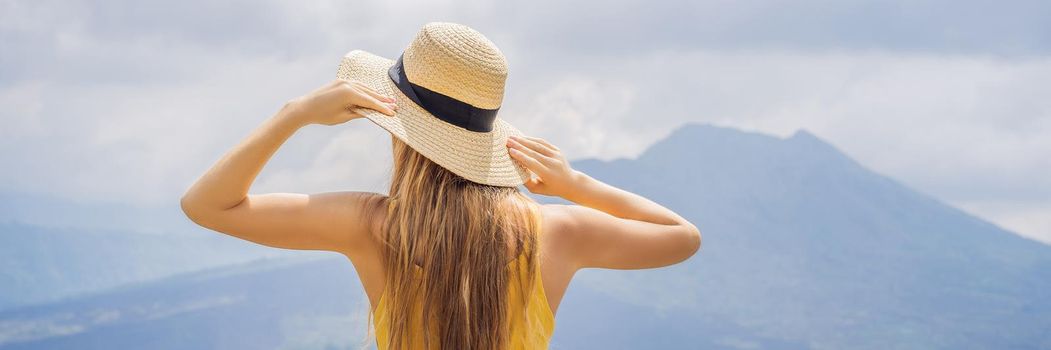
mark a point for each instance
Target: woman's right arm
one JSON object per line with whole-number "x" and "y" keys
{"x": 610, "y": 227}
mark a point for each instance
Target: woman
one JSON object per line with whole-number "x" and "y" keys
{"x": 454, "y": 241}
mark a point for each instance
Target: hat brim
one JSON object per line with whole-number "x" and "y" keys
{"x": 481, "y": 157}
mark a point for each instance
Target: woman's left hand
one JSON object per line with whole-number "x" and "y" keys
{"x": 335, "y": 103}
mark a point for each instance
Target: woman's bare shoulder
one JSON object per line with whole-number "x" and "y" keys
{"x": 562, "y": 219}
{"x": 556, "y": 227}
{"x": 553, "y": 215}
{"x": 566, "y": 224}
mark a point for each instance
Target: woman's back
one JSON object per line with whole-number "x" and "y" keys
{"x": 537, "y": 311}
{"x": 530, "y": 327}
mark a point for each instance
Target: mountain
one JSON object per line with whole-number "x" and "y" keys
{"x": 803, "y": 248}
{"x": 47, "y": 211}
{"x": 40, "y": 264}
{"x": 804, "y": 245}
{"x": 265, "y": 304}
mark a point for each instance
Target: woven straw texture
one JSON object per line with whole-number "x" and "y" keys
{"x": 458, "y": 62}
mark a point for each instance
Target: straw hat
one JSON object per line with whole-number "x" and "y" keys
{"x": 448, "y": 85}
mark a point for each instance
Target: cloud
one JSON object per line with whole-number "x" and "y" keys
{"x": 129, "y": 39}
{"x": 944, "y": 123}
{"x": 964, "y": 128}
{"x": 579, "y": 112}
{"x": 357, "y": 157}
{"x": 129, "y": 101}
{"x": 138, "y": 142}
{"x": 1031, "y": 219}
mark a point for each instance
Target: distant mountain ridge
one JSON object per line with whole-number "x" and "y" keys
{"x": 41, "y": 264}
{"x": 47, "y": 211}
{"x": 803, "y": 243}
{"x": 803, "y": 248}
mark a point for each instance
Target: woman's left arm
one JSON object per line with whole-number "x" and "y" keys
{"x": 334, "y": 221}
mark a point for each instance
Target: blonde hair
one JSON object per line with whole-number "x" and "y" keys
{"x": 467, "y": 236}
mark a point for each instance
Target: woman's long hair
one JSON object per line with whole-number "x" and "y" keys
{"x": 463, "y": 238}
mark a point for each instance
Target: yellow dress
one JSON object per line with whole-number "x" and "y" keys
{"x": 538, "y": 309}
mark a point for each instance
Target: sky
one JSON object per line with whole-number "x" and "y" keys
{"x": 130, "y": 101}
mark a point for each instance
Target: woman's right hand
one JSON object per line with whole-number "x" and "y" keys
{"x": 338, "y": 101}
{"x": 556, "y": 177}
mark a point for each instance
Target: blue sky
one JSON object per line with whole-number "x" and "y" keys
{"x": 129, "y": 101}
